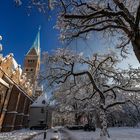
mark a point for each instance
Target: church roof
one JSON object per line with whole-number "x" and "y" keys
{"x": 41, "y": 101}
{"x": 36, "y": 44}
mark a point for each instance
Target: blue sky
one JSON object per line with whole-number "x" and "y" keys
{"x": 19, "y": 30}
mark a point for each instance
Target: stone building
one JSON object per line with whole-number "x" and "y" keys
{"x": 18, "y": 89}
{"x": 40, "y": 114}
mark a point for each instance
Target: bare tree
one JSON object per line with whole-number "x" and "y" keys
{"x": 76, "y": 18}
{"x": 119, "y": 18}
{"x": 105, "y": 80}
{"x": 66, "y": 100}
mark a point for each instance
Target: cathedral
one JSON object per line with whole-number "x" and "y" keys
{"x": 19, "y": 88}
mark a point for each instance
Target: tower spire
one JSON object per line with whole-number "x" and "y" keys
{"x": 32, "y": 61}
{"x": 36, "y": 44}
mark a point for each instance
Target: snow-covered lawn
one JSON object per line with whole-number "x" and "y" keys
{"x": 115, "y": 133}
{"x": 18, "y": 135}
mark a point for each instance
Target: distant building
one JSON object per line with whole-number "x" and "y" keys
{"x": 18, "y": 89}
{"x": 40, "y": 113}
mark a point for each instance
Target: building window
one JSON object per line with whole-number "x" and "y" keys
{"x": 43, "y": 102}
{"x": 31, "y": 61}
{"x": 42, "y": 110}
{"x": 26, "y": 69}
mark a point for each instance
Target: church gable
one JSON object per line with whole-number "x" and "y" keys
{"x": 8, "y": 64}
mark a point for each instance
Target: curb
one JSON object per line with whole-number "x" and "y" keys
{"x": 32, "y": 136}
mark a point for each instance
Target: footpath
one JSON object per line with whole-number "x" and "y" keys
{"x": 24, "y": 134}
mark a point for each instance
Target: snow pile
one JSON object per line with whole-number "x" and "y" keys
{"x": 18, "y": 134}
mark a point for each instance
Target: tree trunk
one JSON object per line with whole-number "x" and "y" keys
{"x": 103, "y": 121}
{"x": 89, "y": 118}
{"x": 77, "y": 119}
{"x": 136, "y": 47}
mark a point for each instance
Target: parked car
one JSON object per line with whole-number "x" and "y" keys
{"x": 38, "y": 127}
{"x": 89, "y": 127}
{"x": 75, "y": 127}
{"x": 55, "y": 135}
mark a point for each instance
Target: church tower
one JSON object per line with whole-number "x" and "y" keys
{"x": 32, "y": 61}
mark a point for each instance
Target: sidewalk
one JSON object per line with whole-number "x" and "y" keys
{"x": 24, "y": 134}
{"x": 32, "y": 136}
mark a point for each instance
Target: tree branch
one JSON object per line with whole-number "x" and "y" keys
{"x": 137, "y": 19}
{"x": 126, "y": 12}
{"x": 100, "y": 29}
{"x": 117, "y": 103}
{"x": 86, "y": 98}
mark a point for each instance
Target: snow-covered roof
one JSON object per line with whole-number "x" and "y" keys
{"x": 15, "y": 65}
{"x": 20, "y": 70}
{"x": 41, "y": 101}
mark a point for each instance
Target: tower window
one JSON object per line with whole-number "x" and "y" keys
{"x": 31, "y": 61}
{"x": 26, "y": 69}
{"x": 31, "y": 69}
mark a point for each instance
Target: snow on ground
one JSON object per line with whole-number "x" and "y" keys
{"x": 18, "y": 134}
{"x": 49, "y": 135}
{"x": 125, "y": 133}
{"x": 115, "y": 134}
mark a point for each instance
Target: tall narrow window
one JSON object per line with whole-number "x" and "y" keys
{"x": 3, "y": 90}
